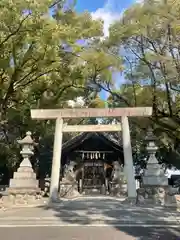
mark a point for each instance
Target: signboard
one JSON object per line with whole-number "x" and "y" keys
{"x": 93, "y": 164}
{"x": 92, "y": 128}
{"x": 90, "y": 112}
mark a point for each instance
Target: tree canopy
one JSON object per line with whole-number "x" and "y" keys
{"x": 147, "y": 38}
{"x": 50, "y": 54}
{"x": 47, "y": 56}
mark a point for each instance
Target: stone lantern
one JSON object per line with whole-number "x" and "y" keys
{"x": 27, "y": 144}
{"x": 154, "y": 174}
{"x": 155, "y": 183}
{"x": 24, "y": 184}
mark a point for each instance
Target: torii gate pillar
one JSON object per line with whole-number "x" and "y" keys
{"x": 128, "y": 159}
{"x": 56, "y": 162}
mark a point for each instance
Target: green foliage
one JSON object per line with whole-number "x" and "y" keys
{"x": 42, "y": 65}
{"x": 147, "y": 37}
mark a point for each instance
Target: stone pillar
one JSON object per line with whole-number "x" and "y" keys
{"x": 128, "y": 159}
{"x": 80, "y": 185}
{"x": 56, "y": 162}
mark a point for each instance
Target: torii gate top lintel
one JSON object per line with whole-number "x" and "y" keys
{"x": 43, "y": 114}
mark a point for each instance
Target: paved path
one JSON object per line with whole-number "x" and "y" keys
{"x": 89, "y": 233}
{"x": 90, "y": 219}
{"x": 90, "y": 211}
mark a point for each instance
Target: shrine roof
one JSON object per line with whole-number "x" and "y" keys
{"x": 105, "y": 137}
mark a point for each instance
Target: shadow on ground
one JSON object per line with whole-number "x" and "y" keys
{"x": 86, "y": 211}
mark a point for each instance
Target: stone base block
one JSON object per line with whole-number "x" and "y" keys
{"x": 20, "y": 196}
{"x": 103, "y": 190}
{"x": 23, "y": 183}
{"x": 155, "y": 181}
{"x": 119, "y": 190}
{"x": 24, "y": 175}
{"x": 68, "y": 191}
{"x": 161, "y": 195}
{"x": 23, "y": 191}
{"x": 155, "y": 171}
{"x": 172, "y": 199}
{"x": 130, "y": 201}
{"x": 177, "y": 197}
{"x": 25, "y": 169}
{"x": 152, "y": 195}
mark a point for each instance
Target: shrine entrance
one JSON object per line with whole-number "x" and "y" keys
{"x": 60, "y": 114}
{"x": 93, "y": 176}
{"x": 93, "y": 156}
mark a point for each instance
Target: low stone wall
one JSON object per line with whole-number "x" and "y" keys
{"x": 20, "y": 197}
{"x": 158, "y": 195}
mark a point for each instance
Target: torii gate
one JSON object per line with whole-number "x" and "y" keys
{"x": 60, "y": 114}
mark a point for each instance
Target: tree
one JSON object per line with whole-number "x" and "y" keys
{"x": 45, "y": 61}
{"x": 147, "y": 37}
{"x": 36, "y": 69}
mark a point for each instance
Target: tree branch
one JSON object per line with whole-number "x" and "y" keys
{"x": 14, "y": 32}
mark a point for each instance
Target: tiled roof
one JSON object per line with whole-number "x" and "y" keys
{"x": 84, "y": 136}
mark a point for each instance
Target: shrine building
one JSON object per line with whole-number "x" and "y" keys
{"x": 95, "y": 158}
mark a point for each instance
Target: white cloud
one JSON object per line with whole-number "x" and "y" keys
{"x": 108, "y": 14}
{"x": 111, "y": 12}
{"x": 139, "y": 1}
{"x": 78, "y": 102}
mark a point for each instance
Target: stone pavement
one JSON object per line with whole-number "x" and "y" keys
{"x": 89, "y": 233}
{"x": 90, "y": 212}
{"x": 90, "y": 219}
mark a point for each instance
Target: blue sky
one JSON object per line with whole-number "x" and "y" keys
{"x": 109, "y": 11}
{"x": 93, "y": 5}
